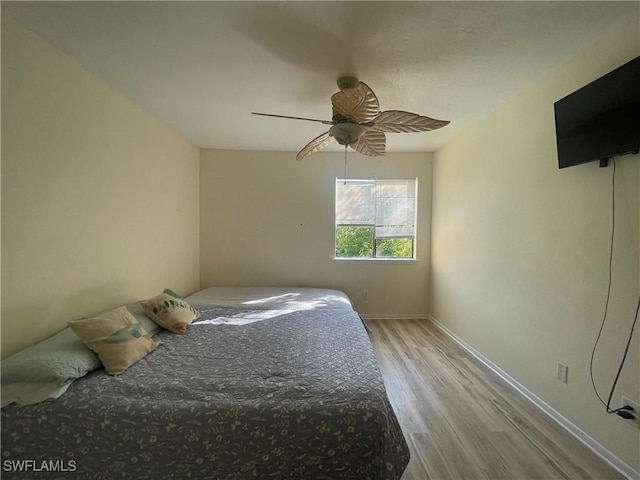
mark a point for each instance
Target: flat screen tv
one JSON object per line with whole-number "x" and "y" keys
{"x": 600, "y": 120}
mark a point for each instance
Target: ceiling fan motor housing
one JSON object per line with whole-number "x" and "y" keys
{"x": 345, "y": 82}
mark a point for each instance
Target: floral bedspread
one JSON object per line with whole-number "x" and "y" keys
{"x": 297, "y": 395}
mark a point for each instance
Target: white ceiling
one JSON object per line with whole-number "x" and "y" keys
{"x": 202, "y": 67}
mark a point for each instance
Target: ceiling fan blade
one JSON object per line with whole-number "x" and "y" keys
{"x": 397, "y": 121}
{"x": 359, "y": 103}
{"x": 314, "y": 145}
{"x": 372, "y": 143}
{"x": 326, "y": 122}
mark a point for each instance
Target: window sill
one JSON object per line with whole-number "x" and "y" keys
{"x": 386, "y": 260}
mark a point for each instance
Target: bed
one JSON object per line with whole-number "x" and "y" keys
{"x": 266, "y": 383}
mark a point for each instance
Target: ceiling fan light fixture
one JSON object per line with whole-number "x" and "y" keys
{"x": 347, "y": 133}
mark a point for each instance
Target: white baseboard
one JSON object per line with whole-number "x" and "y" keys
{"x": 592, "y": 444}
{"x": 394, "y": 316}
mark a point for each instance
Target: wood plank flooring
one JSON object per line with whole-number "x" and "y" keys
{"x": 462, "y": 421}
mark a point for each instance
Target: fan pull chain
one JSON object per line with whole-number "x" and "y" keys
{"x": 345, "y": 165}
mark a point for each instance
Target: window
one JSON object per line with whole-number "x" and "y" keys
{"x": 375, "y": 218}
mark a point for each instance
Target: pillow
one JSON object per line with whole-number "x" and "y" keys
{"x": 30, "y": 393}
{"x": 117, "y": 337}
{"x": 168, "y": 291}
{"x": 171, "y": 312}
{"x": 46, "y": 369}
{"x": 138, "y": 312}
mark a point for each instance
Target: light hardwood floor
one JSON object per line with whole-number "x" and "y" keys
{"x": 462, "y": 421}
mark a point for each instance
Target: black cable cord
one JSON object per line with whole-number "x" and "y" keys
{"x": 606, "y": 309}
{"x": 606, "y": 304}
{"x": 624, "y": 357}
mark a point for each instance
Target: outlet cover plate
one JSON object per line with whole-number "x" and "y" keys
{"x": 562, "y": 372}
{"x": 636, "y": 410}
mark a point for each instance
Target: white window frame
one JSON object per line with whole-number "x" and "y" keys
{"x": 378, "y": 183}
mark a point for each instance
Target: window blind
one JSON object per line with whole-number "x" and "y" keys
{"x": 355, "y": 202}
{"x": 395, "y": 208}
{"x": 386, "y": 204}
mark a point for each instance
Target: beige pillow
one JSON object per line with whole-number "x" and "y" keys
{"x": 117, "y": 338}
{"x": 170, "y": 311}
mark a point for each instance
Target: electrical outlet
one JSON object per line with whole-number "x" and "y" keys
{"x": 365, "y": 294}
{"x": 562, "y": 372}
{"x": 636, "y": 411}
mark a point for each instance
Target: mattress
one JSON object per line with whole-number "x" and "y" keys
{"x": 295, "y": 395}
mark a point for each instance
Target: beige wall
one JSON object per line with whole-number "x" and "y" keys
{"x": 269, "y": 220}
{"x": 99, "y": 200}
{"x": 520, "y": 251}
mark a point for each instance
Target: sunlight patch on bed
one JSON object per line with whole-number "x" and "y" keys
{"x": 289, "y": 299}
{"x": 284, "y": 296}
{"x": 244, "y": 318}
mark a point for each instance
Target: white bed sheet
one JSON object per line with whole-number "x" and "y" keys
{"x": 270, "y": 298}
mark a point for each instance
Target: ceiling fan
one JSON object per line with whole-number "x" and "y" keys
{"x": 357, "y": 121}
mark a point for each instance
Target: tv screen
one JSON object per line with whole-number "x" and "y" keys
{"x": 600, "y": 120}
